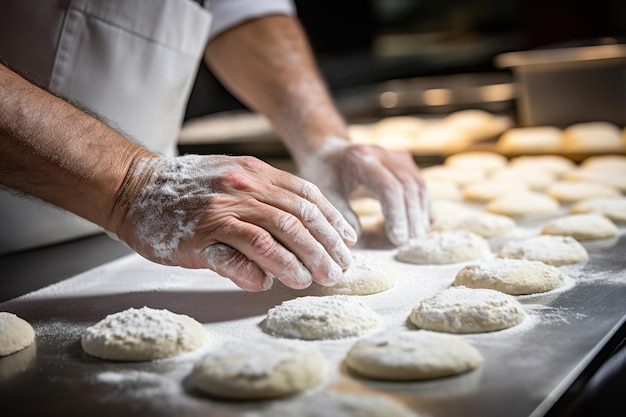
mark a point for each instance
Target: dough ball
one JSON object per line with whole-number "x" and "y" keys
{"x": 535, "y": 179}
{"x": 370, "y": 213}
{"x": 604, "y": 163}
{"x": 143, "y": 334}
{"x": 334, "y": 404}
{"x": 612, "y": 208}
{"x": 444, "y": 209}
{"x": 529, "y": 203}
{"x": 581, "y": 226}
{"x": 459, "y": 176}
{"x": 556, "y": 165}
{"x": 248, "y": 370}
{"x": 551, "y": 250}
{"x": 15, "y": 333}
{"x": 398, "y": 132}
{"x": 510, "y": 276}
{"x": 444, "y": 247}
{"x": 531, "y": 139}
{"x": 320, "y": 318}
{"x": 568, "y": 192}
{"x": 615, "y": 179}
{"x": 367, "y": 275}
{"x": 441, "y": 138}
{"x": 485, "y": 161}
{"x": 467, "y": 310}
{"x": 486, "y": 225}
{"x": 443, "y": 190}
{"x": 477, "y": 124}
{"x": 415, "y": 355}
{"x": 487, "y": 190}
{"x": 592, "y": 137}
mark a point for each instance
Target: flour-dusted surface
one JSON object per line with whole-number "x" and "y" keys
{"x": 467, "y": 310}
{"x": 518, "y": 374}
{"x": 318, "y": 318}
{"x": 143, "y": 334}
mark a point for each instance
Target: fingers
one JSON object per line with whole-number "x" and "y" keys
{"x": 232, "y": 264}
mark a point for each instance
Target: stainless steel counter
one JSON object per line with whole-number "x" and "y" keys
{"x": 530, "y": 371}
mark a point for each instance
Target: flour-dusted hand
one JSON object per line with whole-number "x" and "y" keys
{"x": 238, "y": 216}
{"x": 341, "y": 167}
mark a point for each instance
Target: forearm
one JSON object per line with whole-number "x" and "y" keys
{"x": 51, "y": 150}
{"x": 267, "y": 63}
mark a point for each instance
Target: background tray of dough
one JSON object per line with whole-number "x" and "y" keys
{"x": 527, "y": 368}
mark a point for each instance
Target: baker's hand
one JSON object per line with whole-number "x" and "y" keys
{"x": 340, "y": 167}
{"x": 238, "y": 216}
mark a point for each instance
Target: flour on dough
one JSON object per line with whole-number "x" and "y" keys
{"x": 510, "y": 276}
{"x": 143, "y": 334}
{"x": 336, "y": 404}
{"x": 413, "y": 355}
{"x": 248, "y": 370}
{"x": 486, "y": 225}
{"x": 612, "y": 208}
{"x": 467, "y": 310}
{"x": 551, "y": 250}
{"x": 581, "y": 226}
{"x": 367, "y": 275}
{"x": 528, "y": 203}
{"x": 319, "y": 318}
{"x": 15, "y": 333}
{"x": 444, "y": 247}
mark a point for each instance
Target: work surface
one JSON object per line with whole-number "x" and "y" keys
{"x": 527, "y": 368}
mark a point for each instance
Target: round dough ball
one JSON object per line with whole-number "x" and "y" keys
{"x": 477, "y": 124}
{"x": 370, "y": 213}
{"x": 581, "y": 226}
{"x": 592, "y": 137}
{"x": 485, "y": 161}
{"x": 15, "y": 333}
{"x": 444, "y": 247}
{"x": 143, "y": 334}
{"x": 367, "y": 275}
{"x": 535, "y": 179}
{"x": 334, "y": 404}
{"x": 568, "y": 192}
{"x": 249, "y": 370}
{"x": 439, "y": 137}
{"x": 319, "y": 318}
{"x": 604, "y": 163}
{"x": 556, "y": 165}
{"x": 551, "y": 250}
{"x": 468, "y": 310}
{"x": 529, "y": 203}
{"x": 459, "y": 176}
{"x": 486, "y": 225}
{"x": 409, "y": 356}
{"x": 612, "y": 208}
{"x": 615, "y": 179}
{"x": 444, "y": 209}
{"x": 443, "y": 190}
{"x": 531, "y": 139}
{"x": 510, "y": 276}
{"x": 487, "y": 190}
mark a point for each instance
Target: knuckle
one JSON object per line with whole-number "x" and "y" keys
{"x": 251, "y": 162}
{"x": 289, "y": 224}
{"x": 263, "y": 243}
{"x": 235, "y": 180}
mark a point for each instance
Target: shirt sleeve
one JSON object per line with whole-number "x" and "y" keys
{"x": 228, "y": 13}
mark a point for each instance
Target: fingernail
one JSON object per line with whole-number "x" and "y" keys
{"x": 344, "y": 256}
{"x": 349, "y": 235}
{"x": 267, "y": 283}
{"x": 335, "y": 273}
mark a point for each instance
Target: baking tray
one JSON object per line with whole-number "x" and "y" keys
{"x": 527, "y": 368}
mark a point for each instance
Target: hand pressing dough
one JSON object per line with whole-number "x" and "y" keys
{"x": 335, "y": 404}
{"x": 486, "y": 225}
{"x": 551, "y": 250}
{"x": 410, "y": 356}
{"x": 612, "y": 208}
{"x": 568, "y": 192}
{"x": 556, "y": 165}
{"x": 581, "y": 226}
{"x": 251, "y": 370}
{"x": 143, "y": 334}
{"x": 320, "y": 318}
{"x": 15, "y": 333}
{"x": 529, "y": 203}
{"x": 467, "y": 310}
{"x": 367, "y": 275}
{"x": 510, "y": 276}
{"x": 487, "y": 190}
{"x": 444, "y": 247}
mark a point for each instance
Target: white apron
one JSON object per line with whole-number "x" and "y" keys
{"x": 133, "y": 62}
